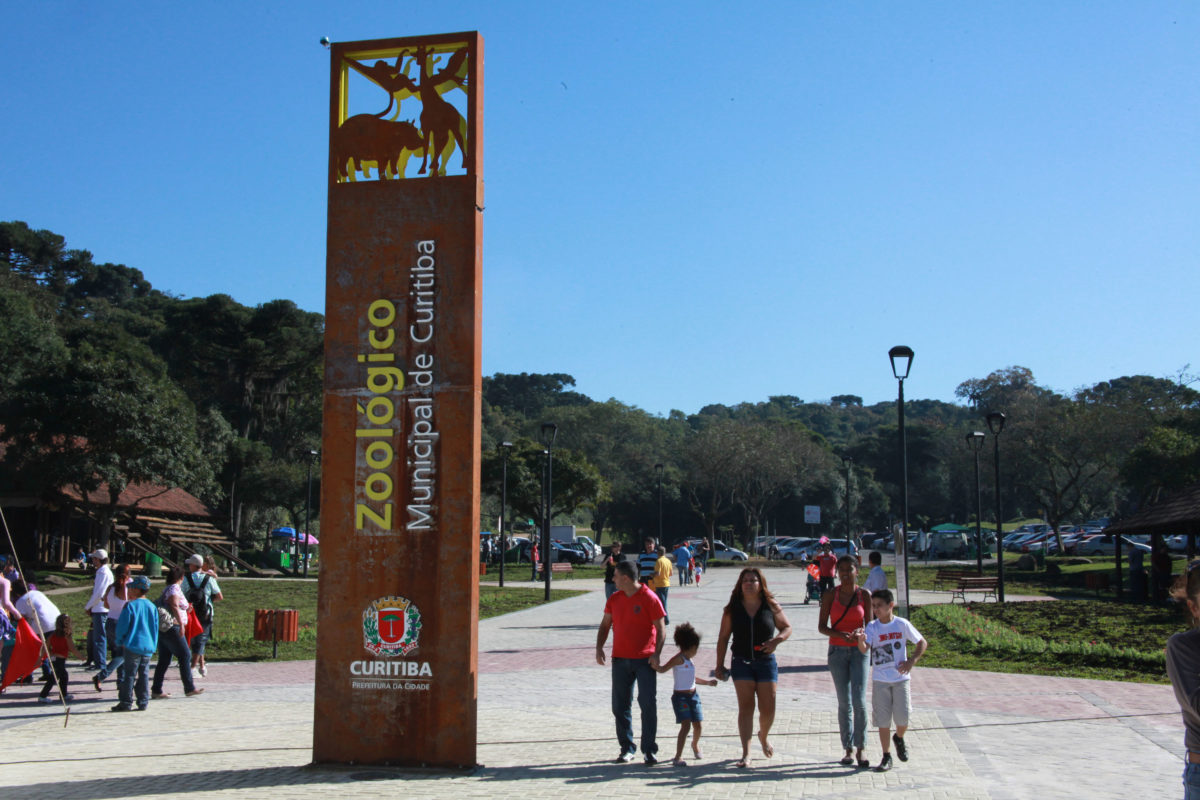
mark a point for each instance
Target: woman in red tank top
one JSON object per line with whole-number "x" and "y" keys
{"x": 844, "y": 611}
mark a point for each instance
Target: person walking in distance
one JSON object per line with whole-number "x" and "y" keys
{"x": 137, "y": 634}
{"x": 826, "y": 562}
{"x": 610, "y": 567}
{"x": 876, "y": 578}
{"x": 683, "y": 563}
{"x": 60, "y": 644}
{"x": 98, "y": 610}
{"x": 116, "y": 599}
{"x": 201, "y": 590}
{"x": 635, "y": 617}
{"x": 662, "y": 581}
{"x": 647, "y": 560}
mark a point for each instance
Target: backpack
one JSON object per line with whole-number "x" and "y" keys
{"x": 199, "y": 600}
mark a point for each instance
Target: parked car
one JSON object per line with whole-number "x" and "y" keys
{"x": 1104, "y": 544}
{"x": 569, "y": 552}
{"x": 792, "y": 549}
{"x": 840, "y": 547}
{"x": 724, "y": 552}
{"x": 1012, "y": 536}
{"x": 1071, "y": 540}
{"x": 1014, "y": 545}
{"x": 763, "y": 544}
{"x": 1039, "y": 541}
{"x": 592, "y": 548}
{"x": 781, "y": 543}
{"x": 871, "y": 541}
{"x": 1176, "y": 544}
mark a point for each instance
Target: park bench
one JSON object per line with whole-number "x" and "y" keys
{"x": 952, "y": 576}
{"x": 975, "y": 584}
{"x": 561, "y": 568}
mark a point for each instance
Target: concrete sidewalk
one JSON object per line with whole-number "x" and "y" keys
{"x": 545, "y": 729}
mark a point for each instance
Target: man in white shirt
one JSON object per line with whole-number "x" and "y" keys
{"x": 39, "y": 611}
{"x": 99, "y": 611}
{"x": 35, "y": 607}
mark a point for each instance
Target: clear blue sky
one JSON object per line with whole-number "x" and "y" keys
{"x": 687, "y": 203}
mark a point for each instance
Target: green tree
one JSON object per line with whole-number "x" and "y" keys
{"x": 530, "y": 394}
{"x": 107, "y": 419}
{"x": 576, "y": 482}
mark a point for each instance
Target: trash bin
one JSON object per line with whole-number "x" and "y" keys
{"x": 275, "y": 626}
{"x": 1040, "y": 557}
{"x": 153, "y": 566}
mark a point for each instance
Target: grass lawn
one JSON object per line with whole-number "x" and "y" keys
{"x": 1067, "y": 638}
{"x": 233, "y": 631}
{"x": 1061, "y": 577}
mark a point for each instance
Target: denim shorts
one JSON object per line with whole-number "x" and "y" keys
{"x": 687, "y": 707}
{"x": 1191, "y": 781}
{"x": 760, "y": 670}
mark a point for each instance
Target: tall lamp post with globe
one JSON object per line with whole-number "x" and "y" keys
{"x": 902, "y": 358}
{"x": 975, "y": 442}
{"x": 995, "y": 421}
{"x": 549, "y": 432}
{"x": 505, "y": 449}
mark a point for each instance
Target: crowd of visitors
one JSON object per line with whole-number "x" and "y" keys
{"x": 125, "y": 631}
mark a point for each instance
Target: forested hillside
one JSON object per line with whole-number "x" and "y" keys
{"x": 224, "y": 400}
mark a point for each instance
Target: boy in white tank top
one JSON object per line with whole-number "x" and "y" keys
{"x": 685, "y": 699}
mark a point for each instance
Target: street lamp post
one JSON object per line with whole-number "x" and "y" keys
{"x": 312, "y": 456}
{"x": 975, "y": 442}
{"x": 995, "y": 421}
{"x": 658, "y": 468}
{"x": 902, "y": 358}
{"x": 505, "y": 449}
{"x": 846, "y": 462}
{"x": 549, "y": 432}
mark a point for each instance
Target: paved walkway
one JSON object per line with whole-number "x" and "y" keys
{"x": 545, "y": 729}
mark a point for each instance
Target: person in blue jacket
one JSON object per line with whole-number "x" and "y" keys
{"x": 137, "y": 635}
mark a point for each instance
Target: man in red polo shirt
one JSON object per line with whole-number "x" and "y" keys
{"x": 635, "y": 615}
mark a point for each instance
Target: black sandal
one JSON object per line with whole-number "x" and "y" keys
{"x": 864, "y": 763}
{"x": 847, "y": 761}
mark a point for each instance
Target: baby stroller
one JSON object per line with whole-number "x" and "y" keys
{"x": 814, "y": 586}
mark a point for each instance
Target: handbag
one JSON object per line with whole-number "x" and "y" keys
{"x": 166, "y": 620}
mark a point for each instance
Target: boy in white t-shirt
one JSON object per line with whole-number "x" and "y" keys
{"x": 876, "y": 578}
{"x": 886, "y": 638}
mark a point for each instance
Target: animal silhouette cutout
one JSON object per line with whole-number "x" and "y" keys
{"x": 367, "y": 141}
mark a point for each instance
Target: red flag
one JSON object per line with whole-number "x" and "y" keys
{"x": 194, "y": 628}
{"x": 26, "y": 655}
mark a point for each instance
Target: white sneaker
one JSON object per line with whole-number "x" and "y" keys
{"x": 204, "y": 671}
{"x": 45, "y": 700}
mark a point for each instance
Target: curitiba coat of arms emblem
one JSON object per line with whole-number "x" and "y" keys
{"x": 391, "y": 626}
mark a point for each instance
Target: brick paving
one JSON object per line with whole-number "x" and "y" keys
{"x": 545, "y": 729}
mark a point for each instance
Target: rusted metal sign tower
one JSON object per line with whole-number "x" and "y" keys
{"x": 397, "y": 646}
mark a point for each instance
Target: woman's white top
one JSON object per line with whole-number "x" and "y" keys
{"x": 115, "y": 603}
